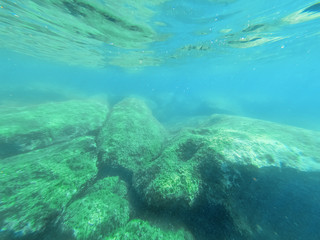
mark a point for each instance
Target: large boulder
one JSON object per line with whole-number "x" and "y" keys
{"x": 173, "y": 179}
{"x": 24, "y": 129}
{"x": 142, "y": 230}
{"x": 258, "y": 143}
{"x": 244, "y": 166}
{"x": 102, "y": 209}
{"x": 266, "y": 176}
{"x": 131, "y": 137}
{"x": 37, "y": 186}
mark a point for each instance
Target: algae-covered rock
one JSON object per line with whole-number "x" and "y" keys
{"x": 36, "y": 186}
{"x": 173, "y": 179}
{"x": 142, "y": 230}
{"x": 131, "y": 137}
{"x": 28, "y": 128}
{"x": 245, "y": 141}
{"x": 103, "y": 209}
{"x": 244, "y": 166}
{"x": 175, "y": 184}
{"x": 266, "y": 175}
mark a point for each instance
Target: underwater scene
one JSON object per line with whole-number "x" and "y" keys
{"x": 159, "y": 120}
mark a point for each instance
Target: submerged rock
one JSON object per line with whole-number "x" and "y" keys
{"x": 37, "y": 186}
{"x": 226, "y": 177}
{"x": 25, "y": 129}
{"x": 131, "y": 137}
{"x": 103, "y": 209}
{"x": 236, "y": 163}
{"x": 142, "y": 230}
{"x": 245, "y": 141}
{"x": 266, "y": 175}
{"x": 173, "y": 179}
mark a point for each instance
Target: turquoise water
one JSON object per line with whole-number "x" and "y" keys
{"x": 200, "y": 52}
{"x": 186, "y": 60}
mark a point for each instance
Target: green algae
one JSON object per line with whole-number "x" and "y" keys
{"x": 39, "y": 184}
{"x": 224, "y": 147}
{"x": 103, "y": 209}
{"x": 173, "y": 179}
{"x": 260, "y": 143}
{"x": 25, "y": 129}
{"x": 139, "y": 230}
{"x": 176, "y": 185}
{"x": 225, "y": 162}
{"x": 131, "y": 137}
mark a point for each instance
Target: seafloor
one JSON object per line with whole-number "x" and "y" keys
{"x": 82, "y": 169}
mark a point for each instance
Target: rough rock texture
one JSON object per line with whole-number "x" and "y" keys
{"x": 259, "y": 143}
{"x": 25, "y": 129}
{"x": 244, "y": 166}
{"x": 36, "y": 186}
{"x": 131, "y": 137}
{"x": 226, "y": 177}
{"x": 264, "y": 174}
{"x": 173, "y": 179}
{"x": 100, "y": 211}
{"x": 141, "y": 230}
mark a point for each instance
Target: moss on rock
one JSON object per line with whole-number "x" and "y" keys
{"x": 142, "y": 230}
{"x": 103, "y": 209}
{"x": 36, "y": 186}
{"x": 173, "y": 179}
{"x": 131, "y": 137}
{"x": 226, "y": 163}
{"x": 246, "y": 141}
{"x": 25, "y": 129}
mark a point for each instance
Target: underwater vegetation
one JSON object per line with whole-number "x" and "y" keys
{"x": 83, "y": 169}
{"x": 158, "y": 130}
